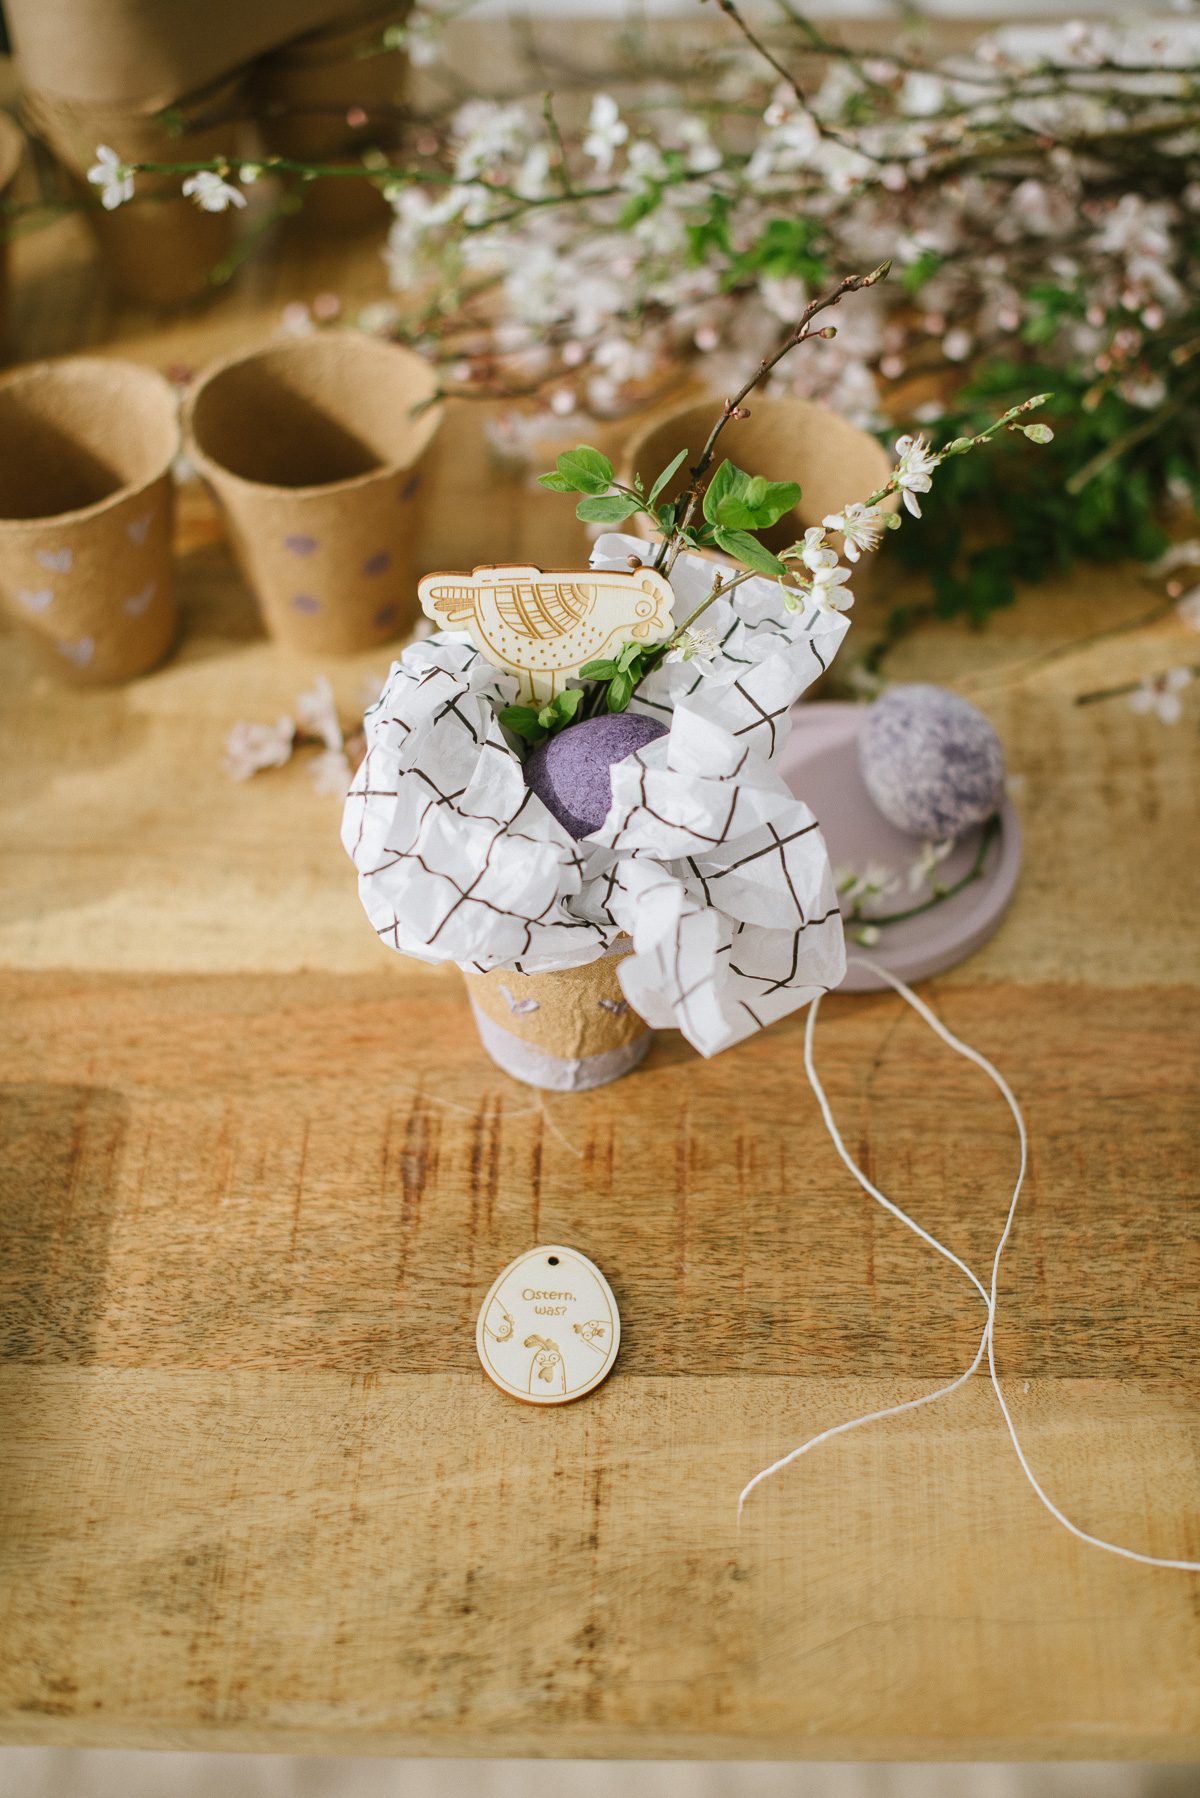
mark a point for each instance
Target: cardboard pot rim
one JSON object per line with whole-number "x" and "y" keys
{"x": 150, "y": 379}
{"x": 300, "y": 347}
{"x": 661, "y": 415}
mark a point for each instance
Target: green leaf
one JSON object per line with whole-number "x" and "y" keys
{"x": 727, "y": 484}
{"x": 922, "y": 269}
{"x": 523, "y": 721}
{"x": 585, "y": 469}
{"x": 666, "y": 519}
{"x": 568, "y": 703}
{"x": 602, "y": 670}
{"x": 611, "y": 509}
{"x": 762, "y": 505}
{"x": 640, "y": 205}
{"x": 557, "y": 483}
{"x": 748, "y": 550}
{"x": 665, "y": 476}
{"x": 786, "y": 246}
{"x": 628, "y": 657}
{"x": 620, "y": 692}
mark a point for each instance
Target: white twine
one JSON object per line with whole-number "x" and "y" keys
{"x": 987, "y": 1343}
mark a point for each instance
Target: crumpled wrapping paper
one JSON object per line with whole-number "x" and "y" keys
{"x": 706, "y": 860}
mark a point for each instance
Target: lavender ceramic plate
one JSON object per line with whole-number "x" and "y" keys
{"x": 820, "y": 764}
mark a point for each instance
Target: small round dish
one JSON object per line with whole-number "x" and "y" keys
{"x": 820, "y": 764}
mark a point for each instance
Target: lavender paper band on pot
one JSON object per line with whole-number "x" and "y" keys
{"x": 569, "y": 1030}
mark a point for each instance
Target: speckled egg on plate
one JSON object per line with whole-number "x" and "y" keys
{"x": 931, "y": 761}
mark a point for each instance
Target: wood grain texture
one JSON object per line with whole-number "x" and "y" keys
{"x": 256, "y": 1176}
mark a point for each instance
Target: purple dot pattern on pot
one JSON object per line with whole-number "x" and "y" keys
{"x": 379, "y": 563}
{"x": 931, "y": 761}
{"x": 300, "y": 545}
{"x": 570, "y": 771}
{"x": 304, "y": 602}
{"x": 385, "y": 615}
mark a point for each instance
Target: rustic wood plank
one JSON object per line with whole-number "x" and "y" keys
{"x": 254, "y": 1490}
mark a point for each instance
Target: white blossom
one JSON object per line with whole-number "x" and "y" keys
{"x": 486, "y": 133}
{"x": 113, "y": 177}
{"x": 932, "y": 855}
{"x": 913, "y": 472}
{"x": 316, "y": 711}
{"x": 211, "y": 193}
{"x": 606, "y": 132}
{"x": 861, "y": 526}
{"x": 1159, "y": 693}
{"x": 1187, "y": 609}
{"x": 251, "y": 747}
{"x": 698, "y": 645}
{"x": 875, "y": 881}
{"x": 331, "y": 773}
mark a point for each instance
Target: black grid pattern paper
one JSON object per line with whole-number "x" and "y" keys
{"x": 707, "y": 862}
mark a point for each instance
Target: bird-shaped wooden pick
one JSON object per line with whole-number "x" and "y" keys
{"x": 544, "y": 626}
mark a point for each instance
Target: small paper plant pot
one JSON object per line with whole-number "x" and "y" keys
{"x": 568, "y": 1030}
{"x": 311, "y": 448}
{"x": 328, "y": 96}
{"x": 784, "y": 439}
{"x": 86, "y": 447}
{"x": 160, "y": 247}
{"x": 12, "y": 149}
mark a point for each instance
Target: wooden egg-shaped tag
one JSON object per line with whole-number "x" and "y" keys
{"x": 549, "y": 1330}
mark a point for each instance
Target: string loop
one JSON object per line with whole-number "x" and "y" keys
{"x": 987, "y": 1341}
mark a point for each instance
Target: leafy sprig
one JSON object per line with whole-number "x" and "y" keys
{"x": 535, "y": 723}
{"x": 619, "y": 675}
{"x": 608, "y": 501}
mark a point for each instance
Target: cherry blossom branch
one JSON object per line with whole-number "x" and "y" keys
{"x": 732, "y": 408}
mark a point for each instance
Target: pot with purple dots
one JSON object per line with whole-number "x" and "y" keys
{"x": 86, "y": 448}
{"x": 312, "y": 449}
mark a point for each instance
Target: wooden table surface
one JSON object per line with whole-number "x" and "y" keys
{"x": 255, "y": 1491}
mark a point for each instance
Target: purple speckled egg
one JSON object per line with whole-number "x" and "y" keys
{"x": 931, "y": 762}
{"x": 570, "y": 772}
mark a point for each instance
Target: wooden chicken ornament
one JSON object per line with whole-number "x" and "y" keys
{"x": 545, "y": 625}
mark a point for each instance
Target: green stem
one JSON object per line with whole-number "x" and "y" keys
{"x": 991, "y": 830}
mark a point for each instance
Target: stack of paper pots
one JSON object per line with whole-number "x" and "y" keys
{"x": 326, "y": 95}
{"x": 12, "y": 146}
{"x": 86, "y": 448}
{"x": 567, "y": 1030}
{"x": 160, "y": 246}
{"x": 833, "y": 461}
{"x": 311, "y": 448}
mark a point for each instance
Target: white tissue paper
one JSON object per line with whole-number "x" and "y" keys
{"x": 706, "y": 860}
